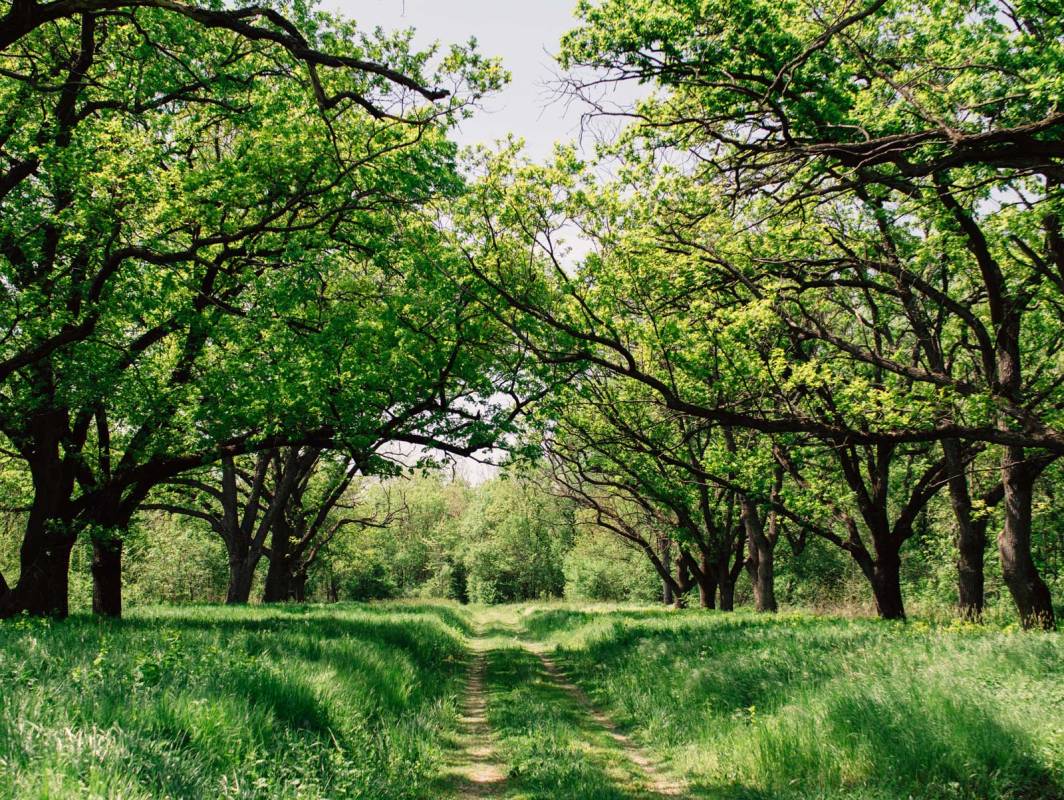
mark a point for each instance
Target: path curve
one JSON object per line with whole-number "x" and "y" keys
{"x": 657, "y": 780}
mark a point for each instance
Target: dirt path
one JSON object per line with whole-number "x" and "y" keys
{"x": 476, "y": 770}
{"x": 657, "y": 781}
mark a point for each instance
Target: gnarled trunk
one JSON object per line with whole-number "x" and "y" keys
{"x": 107, "y": 577}
{"x": 1028, "y": 590}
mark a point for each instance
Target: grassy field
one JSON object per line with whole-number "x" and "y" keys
{"x": 365, "y": 702}
{"x": 798, "y": 706}
{"x": 216, "y": 702}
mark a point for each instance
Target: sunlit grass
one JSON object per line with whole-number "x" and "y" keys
{"x": 811, "y": 707}
{"x": 214, "y": 702}
{"x": 360, "y": 701}
{"x": 553, "y": 748}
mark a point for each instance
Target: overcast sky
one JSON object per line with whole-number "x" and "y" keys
{"x": 524, "y": 34}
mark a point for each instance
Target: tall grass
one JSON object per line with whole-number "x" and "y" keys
{"x": 797, "y": 706}
{"x": 236, "y": 703}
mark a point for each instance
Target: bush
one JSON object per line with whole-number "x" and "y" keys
{"x": 601, "y": 567}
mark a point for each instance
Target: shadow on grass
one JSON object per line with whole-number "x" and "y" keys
{"x": 338, "y": 701}
{"x": 808, "y": 707}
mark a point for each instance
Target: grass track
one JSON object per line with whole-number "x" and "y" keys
{"x": 797, "y": 706}
{"x": 374, "y": 702}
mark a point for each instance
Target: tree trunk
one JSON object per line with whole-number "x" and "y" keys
{"x": 107, "y": 577}
{"x": 299, "y": 587}
{"x": 886, "y": 585}
{"x": 971, "y": 537}
{"x": 726, "y": 587}
{"x": 707, "y": 585}
{"x": 278, "y": 588}
{"x": 1028, "y": 590}
{"x": 760, "y": 564}
{"x": 241, "y": 576}
{"x": 668, "y": 596}
{"x": 44, "y": 581}
{"x": 683, "y": 572}
{"x": 44, "y": 559}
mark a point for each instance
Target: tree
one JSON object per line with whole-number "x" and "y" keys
{"x": 182, "y": 190}
{"x": 514, "y": 539}
{"x": 867, "y": 184}
{"x": 924, "y": 117}
{"x": 613, "y": 450}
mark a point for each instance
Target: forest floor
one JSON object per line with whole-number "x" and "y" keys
{"x": 530, "y": 702}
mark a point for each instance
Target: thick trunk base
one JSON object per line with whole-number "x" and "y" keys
{"x": 886, "y": 588}
{"x": 1028, "y": 590}
{"x": 44, "y": 581}
{"x": 707, "y": 591}
{"x": 107, "y": 577}
{"x": 727, "y": 596}
{"x": 241, "y": 575}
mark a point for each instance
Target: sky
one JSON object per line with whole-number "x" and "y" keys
{"x": 525, "y": 34}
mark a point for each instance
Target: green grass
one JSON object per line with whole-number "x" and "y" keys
{"x": 798, "y": 706}
{"x": 205, "y": 702}
{"x": 361, "y": 701}
{"x": 554, "y": 750}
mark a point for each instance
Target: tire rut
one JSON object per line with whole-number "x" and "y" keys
{"x": 477, "y": 771}
{"x": 657, "y": 781}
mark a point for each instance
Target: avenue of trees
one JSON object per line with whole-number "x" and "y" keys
{"x": 804, "y": 306}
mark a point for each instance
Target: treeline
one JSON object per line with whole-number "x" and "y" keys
{"x": 511, "y": 539}
{"x": 824, "y": 287}
{"x": 818, "y": 293}
{"x": 220, "y": 281}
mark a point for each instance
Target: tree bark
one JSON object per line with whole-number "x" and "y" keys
{"x": 299, "y": 587}
{"x": 760, "y": 563}
{"x": 1028, "y": 590}
{"x": 278, "y": 588}
{"x": 886, "y": 585}
{"x": 971, "y": 537}
{"x": 707, "y": 584}
{"x": 44, "y": 581}
{"x": 726, "y": 587}
{"x": 107, "y": 577}
{"x": 44, "y": 558}
{"x": 241, "y": 576}
{"x": 668, "y": 595}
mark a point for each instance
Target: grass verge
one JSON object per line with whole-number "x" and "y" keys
{"x": 212, "y": 702}
{"x": 800, "y": 706}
